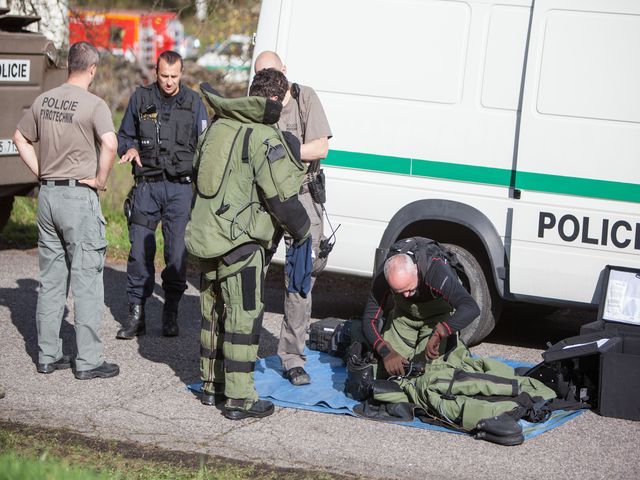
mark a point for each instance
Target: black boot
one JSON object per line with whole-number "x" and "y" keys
{"x": 501, "y": 425}
{"x": 236, "y": 409}
{"x": 170, "y": 319}
{"x": 135, "y": 323}
{"x": 502, "y": 429}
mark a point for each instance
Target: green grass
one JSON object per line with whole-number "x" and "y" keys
{"x": 36, "y": 453}
{"x": 13, "y": 467}
{"x": 21, "y": 230}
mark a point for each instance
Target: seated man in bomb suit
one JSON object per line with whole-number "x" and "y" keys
{"x": 426, "y": 305}
{"x": 247, "y": 183}
{"x": 426, "y": 301}
{"x": 158, "y": 135}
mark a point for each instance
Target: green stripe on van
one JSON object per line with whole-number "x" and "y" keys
{"x": 366, "y": 161}
{"x": 465, "y": 173}
{"x": 584, "y": 187}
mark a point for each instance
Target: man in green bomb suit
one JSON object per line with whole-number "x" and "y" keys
{"x": 247, "y": 182}
{"x": 411, "y": 322}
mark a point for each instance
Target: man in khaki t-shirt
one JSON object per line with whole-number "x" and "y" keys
{"x": 303, "y": 115}
{"x": 77, "y": 148}
{"x": 65, "y": 121}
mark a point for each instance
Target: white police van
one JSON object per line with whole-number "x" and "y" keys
{"x": 507, "y": 129}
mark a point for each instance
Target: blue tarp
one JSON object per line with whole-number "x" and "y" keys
{"x": 326, "y": 392}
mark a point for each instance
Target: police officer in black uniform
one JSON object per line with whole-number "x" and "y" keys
{"x": 158, "y": 135}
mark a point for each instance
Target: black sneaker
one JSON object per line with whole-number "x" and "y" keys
{"x": 106, "y": 370}
{"x": 297, "y": 376}
{"x": 61, "y": 364}
{"x": 234, "y": 409}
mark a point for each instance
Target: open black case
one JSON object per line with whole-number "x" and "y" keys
{"x": 601, "y": 366}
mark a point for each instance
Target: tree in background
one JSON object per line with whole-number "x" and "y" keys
{"x": 54, "y": 23}
{"x": 116, "y": 82}
{"x": 217, "y": 19}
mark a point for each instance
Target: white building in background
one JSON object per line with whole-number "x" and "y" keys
{"x": 54, "y": 23}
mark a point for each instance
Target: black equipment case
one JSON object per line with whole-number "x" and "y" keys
{"x": 572, "y": 368}
{"x": 608, "y": 373}
{"x": 330, "y": 335}
{"x": 618, "y": 370}
{"x": 601, "y": 366}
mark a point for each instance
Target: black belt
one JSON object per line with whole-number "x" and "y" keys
{"x": 65, "y": 183}
{"x": 162, "y": 176}
{"x": 150, "y": 178}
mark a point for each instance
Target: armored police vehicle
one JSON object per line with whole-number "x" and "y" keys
{"x": 508, "y": 129}
{"x": 28, "y": 66}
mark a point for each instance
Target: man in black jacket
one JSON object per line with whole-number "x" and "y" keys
{"x": 158, "y": 136}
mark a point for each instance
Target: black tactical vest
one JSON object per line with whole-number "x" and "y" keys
{"x": 166, "y": 146}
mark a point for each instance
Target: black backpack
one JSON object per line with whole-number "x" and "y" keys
{"x": 416, "y": 247}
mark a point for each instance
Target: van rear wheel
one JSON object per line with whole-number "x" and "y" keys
{"x": 476, "y": 282}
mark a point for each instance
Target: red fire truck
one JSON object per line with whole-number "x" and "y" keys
{"x": 137, "y": 35}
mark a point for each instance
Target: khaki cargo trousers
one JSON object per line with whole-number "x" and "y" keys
{"x": 71, "y": 251}
{"x": 297, "y": 309}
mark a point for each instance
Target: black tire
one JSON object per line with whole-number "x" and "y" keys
{"x": 489, "y": 303}
{"x": 6, "y": 204}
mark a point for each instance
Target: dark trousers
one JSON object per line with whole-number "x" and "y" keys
{"x": 169, "y": 203}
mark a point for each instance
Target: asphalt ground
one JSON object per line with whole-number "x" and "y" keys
{"x": 148, "y": 402}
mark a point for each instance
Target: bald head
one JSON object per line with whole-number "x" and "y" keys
{"x": 269, "y": 59}
{"x": 401, "y": 274}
